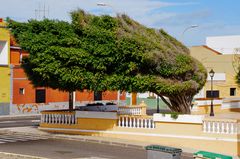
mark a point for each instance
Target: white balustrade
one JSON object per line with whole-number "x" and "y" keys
{"x": 135, "y": 122}
{"x": 221, "y": 126}
{"x": 58, "y": 118}
{"x": 130, "y": 110}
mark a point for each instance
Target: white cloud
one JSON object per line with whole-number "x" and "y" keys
{"x": 147, "y": 12}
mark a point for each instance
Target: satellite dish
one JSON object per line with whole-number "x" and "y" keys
{"x": 236, "y": 59}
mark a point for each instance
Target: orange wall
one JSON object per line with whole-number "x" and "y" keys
{"x": 56, "y": 96}
{"x": 84, "y": 96}
{"x": 20, "y": 81}
{"x": 28, "y": 97}
{"x": 14, "y": 57}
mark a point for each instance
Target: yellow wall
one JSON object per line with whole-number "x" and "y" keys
{"x": 205, "y": 109}
{"x": 5, "y": 70}
{"x": 4, "y": 85}
{"x": 220, "y": 64}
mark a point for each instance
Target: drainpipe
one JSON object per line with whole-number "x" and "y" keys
{"x": 11, "y": 90}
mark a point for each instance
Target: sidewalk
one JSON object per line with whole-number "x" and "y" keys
{"x": 188, "y": 153}
{"x": 22, "y": 116}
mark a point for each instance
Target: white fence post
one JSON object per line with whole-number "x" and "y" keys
{"x": 220, "y": 126}
{"x": 58, "y": 118}
{"x": 135, "y": 122}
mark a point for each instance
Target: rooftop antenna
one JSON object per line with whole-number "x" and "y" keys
{"x": 40, "y": 13}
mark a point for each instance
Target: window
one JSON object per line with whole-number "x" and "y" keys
{"x": 215, "y": 94}
{"x": 40, "y": 96}
{"x": 232, "y": 91}
{"x": 21, "y": 91}
{"x": 97, "y": 95}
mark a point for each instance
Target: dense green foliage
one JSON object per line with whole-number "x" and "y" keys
{"x": 102, "y": 52}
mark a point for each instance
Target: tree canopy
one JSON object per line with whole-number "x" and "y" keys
{"x": 109, "y": 53}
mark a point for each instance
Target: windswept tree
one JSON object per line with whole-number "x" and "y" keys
{"x": 105, "y": 53}
{"x": 54, "y": 60}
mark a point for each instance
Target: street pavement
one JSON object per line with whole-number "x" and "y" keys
{"x": 19, "y": 120}
{"x": 47, "y": 145}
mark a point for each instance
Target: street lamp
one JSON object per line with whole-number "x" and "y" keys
{"x": 211, "y": 74}
{"x": 190, "y": 27}
{"x": 107, "y": 5}
{"x": 101, "y": 4}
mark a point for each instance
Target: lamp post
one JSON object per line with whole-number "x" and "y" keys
{"x": 211, "y": 74}
{"x": 190, "y": 27}
{"x": 108, "y": 5}
{"x": 158, "y": 110}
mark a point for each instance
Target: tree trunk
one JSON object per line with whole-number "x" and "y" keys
{"x": 180, "y": 103}
{"x": 70, "y": 99}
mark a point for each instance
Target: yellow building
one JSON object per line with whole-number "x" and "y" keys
{"x": 4, "y": 69}
{"x": 225, "y": 90}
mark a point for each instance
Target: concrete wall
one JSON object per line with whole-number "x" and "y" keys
{"x": 186, "y": 135}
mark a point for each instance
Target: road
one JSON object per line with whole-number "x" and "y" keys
{"x": 6, "y": 122}
{"x": 66, "y": 149}
{"x": 43, "y": 146}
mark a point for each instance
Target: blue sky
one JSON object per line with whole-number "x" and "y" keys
{"x": 214, "y": 17}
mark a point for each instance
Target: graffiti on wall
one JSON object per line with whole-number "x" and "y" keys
{"x": 36, "y": 108}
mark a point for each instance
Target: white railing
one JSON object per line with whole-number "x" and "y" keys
{"x": 130, "y": 110}
{"x": 136, "y": 122}
{"x": 221, "y": 126}
{"x": 58, "y": 117}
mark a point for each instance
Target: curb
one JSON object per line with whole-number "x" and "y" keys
{"x": 19, "y": 117}
{"x": 16, "y": 156}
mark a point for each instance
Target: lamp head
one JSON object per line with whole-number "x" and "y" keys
{"x": 194, "y": 26}
{"x": 101, "y": 4}
{"x": 211, "y": 73}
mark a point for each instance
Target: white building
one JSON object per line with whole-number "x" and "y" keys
{"x": 224, "y": 44}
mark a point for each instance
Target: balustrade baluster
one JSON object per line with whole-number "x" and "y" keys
{"x": 213, "y": 126}
{"x": 141, "y": 123}
{"x": 123, "y": 122}
{"x": 138, "y": 122}
{"x": 73, "y": 119}
{"x": 218, "y": 127}
{"x": 145, "y": 123}
{"x": 60, "y": 118}
{"x": 46, "y": 119}
{"x": 119, "y": 121}
{"x": 69, "y": 118}
{"x": 134, "y": 122}
{"x": 50, "y": 118}
{"x": 209, "y": 127}
{"x": 232, "y": 128}
{"x": 204, "y": 126}
{"x": 227, "y": 128}
{"x": 223, "y": 128}
{"x": 63, "y": 118}
{"x": 130, "y": 122}
{"x": 153, "y": 125}
{"x": 149, "y": 123}
{"x": 126, "y": 121}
